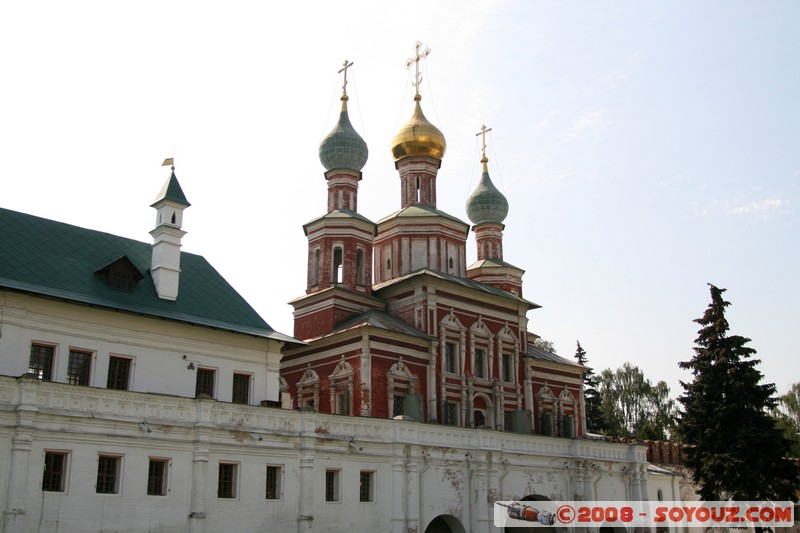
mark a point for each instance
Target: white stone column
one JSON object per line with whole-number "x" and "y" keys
{"x": 412, "y": 492}
{"x": 484, "y": 521}
{"x": 305, "y": 489}
{"x": 17, "y": 488}
{"x": 397, "y": 517}
{"x": 197, "y": 502}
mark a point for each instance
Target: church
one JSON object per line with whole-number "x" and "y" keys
{"x": 140, "y": 392}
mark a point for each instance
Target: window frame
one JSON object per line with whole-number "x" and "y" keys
{"x": 278, "y": 488}
{"x": 116, "y": 476}
{"x": 62, "y": 474}
{"x": 79, "y": 367}
{"x": 164, "y": 483}
{"x": 248, "y": 379}
{"x": 40, "y": 372}
{"x": 213, "y": 381}
{"x": 333, "y": 493}
{"x": 368, "y": 495}
{"x": 114, "y": 359}
{"x": 450, "y": 359}
{"x": 231, "y": 493}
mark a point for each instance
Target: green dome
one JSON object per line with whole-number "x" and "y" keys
{"x": 343, "y": 147}
{"x": 486, "y": 203}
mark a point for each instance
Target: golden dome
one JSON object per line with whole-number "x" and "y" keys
{"x": 418, "y": 137}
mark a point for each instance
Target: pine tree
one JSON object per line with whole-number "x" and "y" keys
{"x": 735, "y": 449}
{"x": 591, "y": 398}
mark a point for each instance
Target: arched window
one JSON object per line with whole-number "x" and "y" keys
{"x": 360, "y": 270}
{"x": 337, "y": 266}
{"x": 315, "y": 268}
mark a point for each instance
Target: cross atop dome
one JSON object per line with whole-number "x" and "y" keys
{"x": 418, "y": 56}
{"x": 347, "y": 65}
{"x": 482, "y": 133}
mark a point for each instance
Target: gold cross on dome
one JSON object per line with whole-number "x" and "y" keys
{"x": 347, "y": 65}
{"x": 482, "y": 133}
{"x": 415, "y": 61}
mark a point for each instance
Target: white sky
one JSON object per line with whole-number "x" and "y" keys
{"x": 646, "y": 148}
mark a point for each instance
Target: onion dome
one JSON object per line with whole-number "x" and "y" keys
{"x": 343, "y": 147}
{"x": 418, "y": 137}
{"x": 486, "y": 203}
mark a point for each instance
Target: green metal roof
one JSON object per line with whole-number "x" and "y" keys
{"x": 421, "y": 210}
{"x": 464, "y": 282}
{"x": 172, "y": 191}
{"x": 68, "y": 262}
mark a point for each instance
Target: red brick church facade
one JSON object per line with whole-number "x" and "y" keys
{"x": 397, "y": 324}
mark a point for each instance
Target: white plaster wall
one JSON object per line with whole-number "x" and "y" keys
{"x": 157, "y": 347}
{"x": 421, "y": 470}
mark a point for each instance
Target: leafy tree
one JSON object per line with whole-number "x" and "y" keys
{"x": 787, "y": 417}
{"x": 544, "y": 344}
{"x": 736, "y": 451}
{"x": 591, "y": 398}
{"x": 631, "y": 406}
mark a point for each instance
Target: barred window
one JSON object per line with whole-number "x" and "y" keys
{"x": 108, "y": 471}
{"x": 479, "y": 362}
{"x": 119, "y": 373}
{"x": 508, "y": 420}
{"x": 205, "y": 382}
{"x": 41, "y": 361}
{"x": 546, "y": 424}
{"x": 241, "y": 388}
{"x": 508, "y": 374}
{"x": 398, "y": 405}
{"x": 157, "y": 477}
{"x": 274, "y": 482}
{"x": 450, "y": 357}
{"x": 55, "y": 471}
{"x": 366, "y": 487}
{"x": 451, "y": 413}
{"x": 78, "y": 367}
{"x": 332, "y": 485}
{"x": 566, "y": 426}
{"x": 226, "y": 482}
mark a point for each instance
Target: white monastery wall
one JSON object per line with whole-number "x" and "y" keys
{"x": 418, "y": 471}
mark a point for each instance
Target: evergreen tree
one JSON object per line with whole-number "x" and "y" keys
{"x": 591, "y": 398}
{"x": 736, "y": 451}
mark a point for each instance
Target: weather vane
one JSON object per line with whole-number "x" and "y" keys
{"x": 415, "y": 61}
{"x": 170, "y": 161}
{"x": 482, "y": 133}
{"x": 347, "y": 65}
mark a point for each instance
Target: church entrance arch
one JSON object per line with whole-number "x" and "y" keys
{"x": 445, "y": 523}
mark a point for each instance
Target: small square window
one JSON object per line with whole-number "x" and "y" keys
{"x": 108, "y": 474}
{"x": 78, "y": 367}
{"x": 274, "y": 474}
{"x": 205, "y": 382}
{"x": 366, "y": 489}
{"x": 157, "y": 477}
{"x": 119, "y": 373}
{"x": 332, "y": 485}
{"x": 41, "y": 361}
{"x": 227, "y": 480}
{"x": 54, "y": 476}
